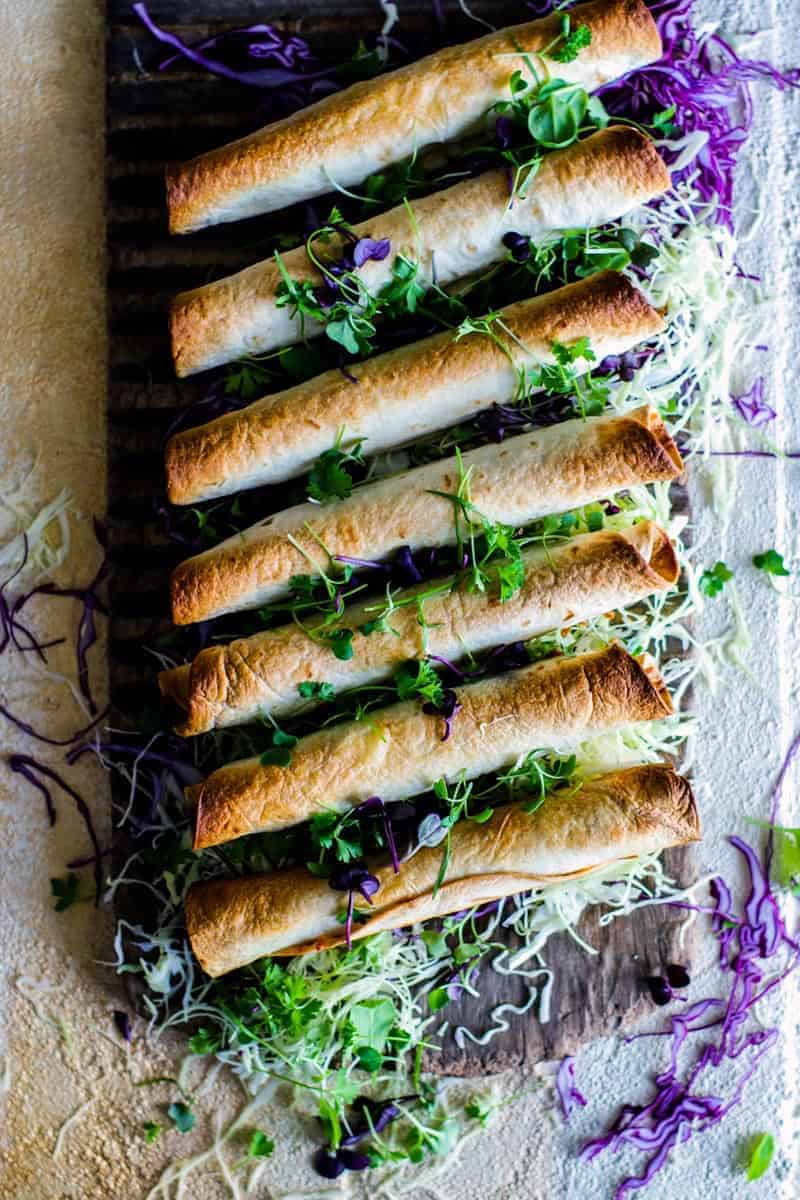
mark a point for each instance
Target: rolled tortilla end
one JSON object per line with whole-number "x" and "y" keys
{"x": 347, "y": 136}
{"x": 610, "y": 818}
{"x": 402, "y": 750}
{"x": 447, "y": 235}
{"x": 568, "y": 583}
{"x": 404, "y": 394}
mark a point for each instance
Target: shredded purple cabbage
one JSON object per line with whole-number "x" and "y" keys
{"x": 123, "y": 1024}
{"x": 681, "y": 1106}
{"x": 567, "y": 1093}
{"x": 752, "y": 407}
{"x": 249, "y": 47}
{"x": 709, "y": 84}
{"x": 36, "y": 773}
{"x": 13, "y": 632}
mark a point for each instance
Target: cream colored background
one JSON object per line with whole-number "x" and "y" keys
{"x": 60, "y": 1053}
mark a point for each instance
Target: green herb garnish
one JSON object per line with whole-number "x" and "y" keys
{"x": 329, "y": 478}
{"x": 181, "y": 1116}
{"x": 279, "y": 754}
{"x": 713, "y": 580}
{"x": 758, "y": 1155}
{"x": 152, "y": 1130}
{"x": 260, "y": 1145}
{"x": 570, "y": 42}
{"x": 770, "y": 562}
{"x": 311, "y": 690}
{"x": 65, "y": 891}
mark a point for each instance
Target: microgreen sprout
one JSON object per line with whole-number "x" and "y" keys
{"x": 771, "y": 563}
{"x": 713, "y": 579}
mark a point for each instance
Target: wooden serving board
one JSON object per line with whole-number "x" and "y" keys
{"x": 153, "y": 118}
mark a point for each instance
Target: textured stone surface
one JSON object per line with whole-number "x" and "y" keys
{"x": 52, "y": 323}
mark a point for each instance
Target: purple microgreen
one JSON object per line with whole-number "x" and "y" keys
{"x": 353, "y": 878}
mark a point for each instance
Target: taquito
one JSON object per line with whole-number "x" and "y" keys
{"x": 568, "y": 583}
{"x": 516, "y": 481}
{"x": 610, "y": 818}
{"x": 349, "y": 135}
{"x": 405, "y": 394}
{"x": 450, "y": 234}
{"x": 401, "y": 750}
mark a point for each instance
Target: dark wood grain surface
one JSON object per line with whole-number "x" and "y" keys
{"x": 154, "y": 117}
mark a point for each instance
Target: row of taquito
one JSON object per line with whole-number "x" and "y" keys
{"x": 232, "y": 922}
{"x": 566, "y": 583}
{"x": 404, "y": 394}
{"x": 557, "y": 703}
{"x": 447, "y": 236}
{"x": 402, "y": 750}
{"x": 347, "y": 136}
{"x": 515, "y": 482}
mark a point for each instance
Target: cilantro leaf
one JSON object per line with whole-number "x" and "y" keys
{"x": 770, "y": 562}
{"x": 337, "y": 833}
{"x": 328, "y": 479}
{"x": 260, "y": 1146}
{"x": 418, "y": 680}
{"x": 343, "y": 332}
{"x": 311, "y": 690}
{"x": 511, "y": 576}
{"x": 340, "y": 642}
{"x": 713, "y": 580}
{"x": 787, "y": 844}
{"x": 404, "y": 291}
{"x": 65, "y": 891}
{"x": 571, "y": 41}
{"x": 181, "y": 1116}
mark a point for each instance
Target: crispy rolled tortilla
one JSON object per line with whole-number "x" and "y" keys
{"x": 569, "y": 582}
{"x": 612, "y": 817}
{"x": 405, "y": 394}
{"x": 401, "y": 750}
{"x": 516, "y": 482}
{"x": 449, "y": 235}
{"x": 347, "y": 136}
